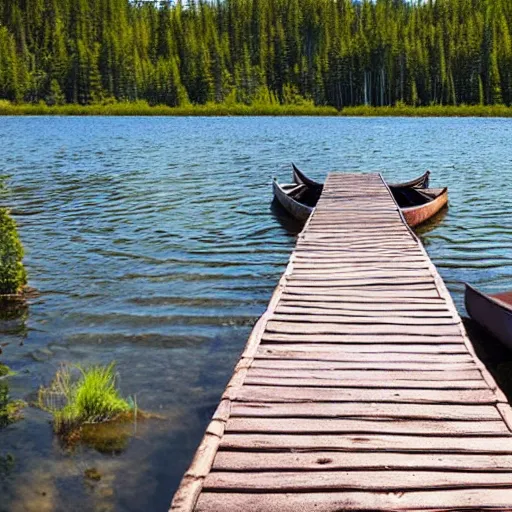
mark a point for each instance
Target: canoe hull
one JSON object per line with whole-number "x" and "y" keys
{"x": 294, "y": 208}
{"x": 416, "y": 215}
{"x": 494, "y": 316}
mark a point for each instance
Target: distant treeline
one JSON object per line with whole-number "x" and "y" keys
{"x": 331, "y": 52}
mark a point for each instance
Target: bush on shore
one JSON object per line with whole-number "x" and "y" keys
{"x": 13, "y": 277}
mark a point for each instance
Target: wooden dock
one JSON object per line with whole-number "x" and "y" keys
{"x": 358, "y": 388}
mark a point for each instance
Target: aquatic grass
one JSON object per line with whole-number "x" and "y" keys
{"x": 303, "y": 108}
{"x": 10, "y": 410}
{"x": 142, "y": 108}
{"x": 4, "y": 370}
{"x": 403, "y": 110}
{"x": 93, "y": 397}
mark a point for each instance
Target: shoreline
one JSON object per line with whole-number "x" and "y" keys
{"x": 220, "y": 110}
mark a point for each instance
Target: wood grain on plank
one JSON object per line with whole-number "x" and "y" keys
{"x": 387, "y": 480}
{"x": 256, "y": 380}
{"x": 471, "y": 500}
{"x": 347, "y": 357}
{"x": 368, "y": 443}
{"x": 364, "y": 410}
{"x": 344, "y": 338}
{"x": 368, "y": 348}
{"x": 396, "y": 376}
{"x": 321, "y": 317}
{"x": 363, "y": 309}
{"x": 283, "y": 394}
{"x": 318, "y": 461}
{"x": 366, "y": 426}
{"x": 277, "y": 363}
{"x": 369, "y": 328}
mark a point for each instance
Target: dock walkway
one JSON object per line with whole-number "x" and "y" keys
{"x": 358, "y": 388}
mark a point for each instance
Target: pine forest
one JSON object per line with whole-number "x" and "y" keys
{"x": 329, "y": 52}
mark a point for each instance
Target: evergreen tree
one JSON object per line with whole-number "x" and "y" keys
{"x": 335, "y": 52}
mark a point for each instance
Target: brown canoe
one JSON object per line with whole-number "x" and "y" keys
{"x": 492, "y": 312}
{"x": 420, "y": 205}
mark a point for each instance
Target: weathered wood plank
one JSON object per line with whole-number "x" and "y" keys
{"x": 367, "y": 348}
{"x": 318, "y": 461}
{"x": 362, "y": 383}
{"x": 282, "y": 394}
{"x": 363, "y": 309}
{"x": 310, "y": 316}
{"x": 387, "y": 480}
{"x": 277, "y": 363}
{"x": 347, "y": 357}
{"x": 369, "y": 284}
{"x": 365, "y": 410}
{"x": 337, "y": 273}
{"x": 368, "y": 443}
{"x": 372, "y": 328}
{"x": 363, "y": 299}
{"x": 366, "y": 376}
{"x": 356, "y": 295}
{"x": 365, "y": 426}
{"x": 471, "y": 500}
{"x": 343, "y": 338}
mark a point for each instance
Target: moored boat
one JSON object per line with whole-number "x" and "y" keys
{"x": 300, "y": 178}
{"x": 420, "y": 205}
{"x": 492, "y": 312}
{"x": 297, "y": 199}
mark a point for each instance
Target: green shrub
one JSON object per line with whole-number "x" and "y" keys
{"x": 10, "y": 410}
{"x": 4, "y": 370}
{"x": 12, "y": 272}
{"x": 91, "y": 398}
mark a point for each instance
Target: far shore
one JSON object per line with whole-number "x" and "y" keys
{"x": 214, "y": 109}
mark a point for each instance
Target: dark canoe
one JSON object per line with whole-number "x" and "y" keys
{"x": 492, "y": 312}
{"x": 420, "y": 205}
{"x": 297, "y": 200}
{"x": 300, "y": 178}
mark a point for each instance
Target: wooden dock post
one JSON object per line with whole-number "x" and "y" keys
{"x": 358, "y": 388}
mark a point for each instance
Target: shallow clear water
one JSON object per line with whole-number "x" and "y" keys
{"x": 151, "y": 241}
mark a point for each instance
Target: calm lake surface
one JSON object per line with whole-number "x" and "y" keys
{"x": 151, "y": 241}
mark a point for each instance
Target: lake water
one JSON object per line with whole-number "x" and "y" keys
{"x": 151, "y": 241}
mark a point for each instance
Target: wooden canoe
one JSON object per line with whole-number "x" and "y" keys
{"x": 492, "y": 312}
{"x": 420, "y": 205}
{"x": 291, "y": 197}
{"x": 300, "y": 178}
